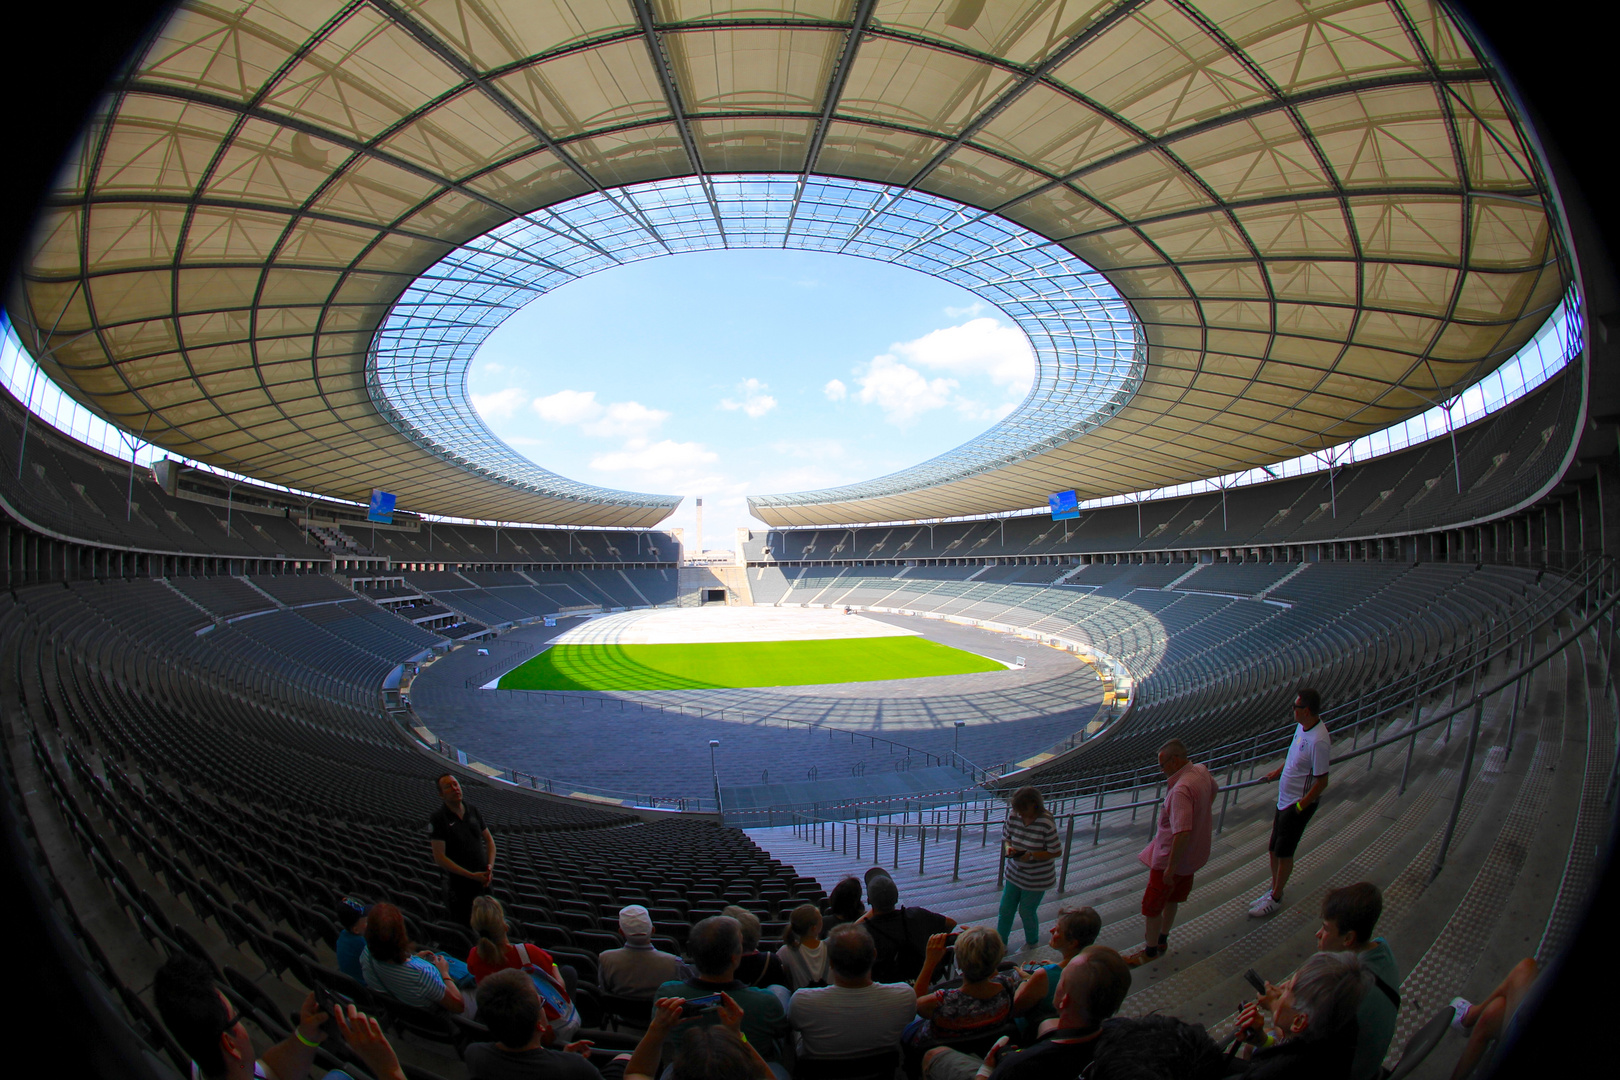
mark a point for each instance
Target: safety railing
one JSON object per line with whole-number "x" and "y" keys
{"x": 895, "y": 830}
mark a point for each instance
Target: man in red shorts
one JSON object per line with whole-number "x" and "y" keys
{"x": 1180, "y": 846}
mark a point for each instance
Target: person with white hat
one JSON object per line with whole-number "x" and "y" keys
{"x": 638, "y": 969}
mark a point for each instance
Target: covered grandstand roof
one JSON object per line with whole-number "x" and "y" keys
{"x": 1323, "y": 217}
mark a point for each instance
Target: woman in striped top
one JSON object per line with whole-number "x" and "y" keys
{"x": 1029, "y": 843}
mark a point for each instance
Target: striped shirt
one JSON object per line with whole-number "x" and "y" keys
{"x": 415, "y": 982}
{"x": 1042, "y": 835}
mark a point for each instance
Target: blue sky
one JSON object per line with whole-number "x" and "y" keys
{"x": 723, "y": 374}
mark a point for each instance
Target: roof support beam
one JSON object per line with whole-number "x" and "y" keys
{"x": 1000, "y": 105}
{"x": 441, "y": 49}
{"x": 672, "y": 96}
{"x": 835, "y": 90}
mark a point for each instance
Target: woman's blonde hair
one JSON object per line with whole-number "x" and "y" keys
{"x": 804, "y": 918}
{"x": 978, "y": 950}
{"x": 489, "y": 922}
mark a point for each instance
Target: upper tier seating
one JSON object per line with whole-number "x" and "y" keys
{"x": 1501, "y": 460}
{"x": 296, "y": 589}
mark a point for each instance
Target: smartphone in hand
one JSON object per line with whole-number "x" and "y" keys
{"x": 1255, "y": 981}
{"x": 699, "y": 1005}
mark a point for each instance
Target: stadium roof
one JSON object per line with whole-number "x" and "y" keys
{"x": 1323, "y": 217}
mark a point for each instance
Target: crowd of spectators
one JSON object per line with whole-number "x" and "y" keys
{"x": 865, "y": 988}
{"x": 959, "y": 1011}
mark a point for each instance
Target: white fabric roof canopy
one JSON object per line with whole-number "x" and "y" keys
{"x": 1324, "y": 216}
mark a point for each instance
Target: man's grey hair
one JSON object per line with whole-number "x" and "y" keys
{"x": 1175, "y": 748}
{"x": 1328, "y": 988}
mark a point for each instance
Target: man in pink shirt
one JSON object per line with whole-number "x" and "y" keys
{"x": 1179, "y": 847}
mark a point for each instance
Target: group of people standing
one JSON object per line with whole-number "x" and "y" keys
{"x": 1181, "y": 841}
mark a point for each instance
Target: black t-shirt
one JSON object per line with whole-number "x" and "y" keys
{"x": 1046, "y": 1059}
{"x": 463, "y": 836}
{"x": 902, "y": 941}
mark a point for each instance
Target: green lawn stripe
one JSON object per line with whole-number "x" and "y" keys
{"x": 736, "y": 664}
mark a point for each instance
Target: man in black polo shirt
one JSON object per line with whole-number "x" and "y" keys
{"x": 902, "y": 934}
{"x": 463, "y": 848}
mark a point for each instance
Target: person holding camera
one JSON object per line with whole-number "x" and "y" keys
{"x": 715, "y": 946}
{"x": 209, "y": 1028}
{"x": 719, "y": 1051}
{"x": 1313, "y": 1030}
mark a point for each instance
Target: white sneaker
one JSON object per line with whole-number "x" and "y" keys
{"x": 1459, "y": 1009}
{"x": 1261, "y": 897}
{"x": 1266, "y": 905}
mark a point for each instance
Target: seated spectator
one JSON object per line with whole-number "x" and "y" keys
{"x": 757, "y": 968}
{"x": 494, "y": 952}
{"x": 1313, "y": 1021}
{"x": 715, "y": 945}
{"x": 510, "y": 1007}
{"x": 1491, "y": 1018}
{"x": 637, "y": 970}
{"x": 209, "y": 1029}
{"x": 803, "y": 955}
{"x": 854, "y": 1015}
{"x": 901, "y": 934}
{"x": 351, "y": 941}
{"x": 1348, "y": 917}
{"x": 713, "y": 1051}
{"x": 1155, "y": 1047}
{"x": 1074, "y": 930}
{"x": 984, "y": 1001}
{"x": 1090, "y": 990}
{"x": 843, "y": 904}
{"x": 395, "y": 967}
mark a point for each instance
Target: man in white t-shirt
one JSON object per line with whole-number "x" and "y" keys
{"x": 1302, "y": 778}
{"x": 853, "y": 1016}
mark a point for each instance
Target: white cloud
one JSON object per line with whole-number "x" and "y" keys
{"x": 755, "y": 402}
{"x": 982, "y": 347}
{"x": 568, "y": 407}
{"x": 972, "y": 311}
{"x": 619, "y": 419}
{"x": 501, "y": 405}
{"x": 665, "y": 454}
{"x": 835, "y": 390}
{"x": 626, "y": 419}
{"x": 901, "y": 391}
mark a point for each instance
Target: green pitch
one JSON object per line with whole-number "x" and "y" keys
{"x": 732, "y": 664}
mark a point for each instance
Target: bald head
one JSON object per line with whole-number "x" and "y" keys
{"x": 1092, "y": 987}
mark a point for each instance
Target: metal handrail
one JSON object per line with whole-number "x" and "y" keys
{"x": 819, "y": 827}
